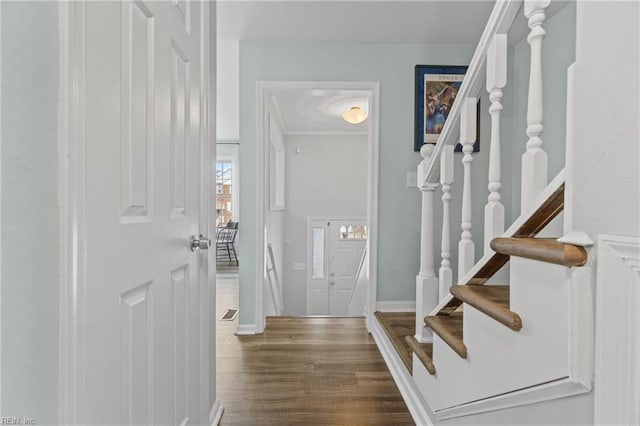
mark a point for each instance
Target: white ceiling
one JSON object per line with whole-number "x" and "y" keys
{"x": 449, "y": 21}
{"x": 351, "y": 21}
{"x": 306, "y": 112}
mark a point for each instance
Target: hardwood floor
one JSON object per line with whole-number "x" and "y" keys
{"x": 306, "y": 371}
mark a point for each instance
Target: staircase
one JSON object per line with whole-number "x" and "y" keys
{"x": 516, "y": 326}
{"x": 493, "y": 300}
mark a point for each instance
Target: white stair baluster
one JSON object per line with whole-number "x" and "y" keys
{"x": 446, "y": 180}
{"x": 468, "y": 126}
{"x": 426, "y": 280}
{"x": 496, "y": 80}
{"x": 534, "y": 160}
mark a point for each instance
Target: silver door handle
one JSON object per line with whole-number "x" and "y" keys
{"x": 200, "y": 242}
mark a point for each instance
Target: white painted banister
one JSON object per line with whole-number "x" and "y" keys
{"x": 534, "y": 160}
{"x": 426, "y": 280}
{"x": 496, "y": 80}
{"x": 500, "y": 21}
{"x": 445, "y": 274}
{"x": 468, "y": 123}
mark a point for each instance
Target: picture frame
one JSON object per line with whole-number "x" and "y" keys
{"x": 436, "y": 88}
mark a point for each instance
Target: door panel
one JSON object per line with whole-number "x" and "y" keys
{"x": 143, "y": 315}
{"x": 345, "y": 252}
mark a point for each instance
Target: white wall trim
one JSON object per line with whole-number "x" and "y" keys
{"x": 72, "y": 196}
{"x": 207, "y": 206}
{"x": 617, "y": 374}
{"x": 397, "y": 306}
{"x": 266, "y": 88}
{"x": 546, "y": 392}
{"x": 417, "y": 407}
{"x": 215, "y": 413}
{"x": 247, "y": 330}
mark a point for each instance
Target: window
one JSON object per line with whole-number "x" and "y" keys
{"x": 224, "y": 191}
{"x": 353, "y": 232}
{"x": 318, "y": 254}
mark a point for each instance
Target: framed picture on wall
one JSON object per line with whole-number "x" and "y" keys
{"x": 436, "y": 89}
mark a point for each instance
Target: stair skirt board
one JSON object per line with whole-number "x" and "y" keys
{"x": 560, "y": 388}
{"x": 423, "y": 415}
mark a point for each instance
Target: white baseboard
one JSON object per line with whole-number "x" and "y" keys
{"x": 546, "y": 392}
{"x": 398, "y": 306}
{"x": 215, "y": 414}
{"x": 421, "y": 414}
{"x": 246, "y": 330}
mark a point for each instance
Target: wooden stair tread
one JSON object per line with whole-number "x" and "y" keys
{"x": 543, "y": 249}
{"x": 424, "y": 352}
{"x": 397, "y": 326}
{"x": 449, "y": 328}
{"x": 493, "y": 300}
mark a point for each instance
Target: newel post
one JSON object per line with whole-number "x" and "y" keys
{"x": 426, "y": 280}
{"x": 534, "y": 160}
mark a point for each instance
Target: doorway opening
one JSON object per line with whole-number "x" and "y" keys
{"x": 227, "y": 208}
{"x": 315, "y": 172}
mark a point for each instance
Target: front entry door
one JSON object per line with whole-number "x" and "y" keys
{"x": 144, "y": 327}
{"x": 335, "y": 252}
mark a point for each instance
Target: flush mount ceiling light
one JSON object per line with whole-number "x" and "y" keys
{"x": 355, "y": 115}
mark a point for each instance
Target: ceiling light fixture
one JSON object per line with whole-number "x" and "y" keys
{"x": 355, "y": 115}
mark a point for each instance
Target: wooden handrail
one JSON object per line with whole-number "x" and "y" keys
{"x": 543, "y": 249}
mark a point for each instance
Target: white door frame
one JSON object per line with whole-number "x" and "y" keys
{"x": 267, "y": 88}
{"x": 73, "y": 220}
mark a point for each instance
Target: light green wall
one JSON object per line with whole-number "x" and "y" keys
{"x": 29, "y": 210}
{"x": 393, "y": 66}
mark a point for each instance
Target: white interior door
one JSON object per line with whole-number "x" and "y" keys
{"x": 334, "y": 252}
{"x": 347, "y": 241}
{"x": 143, "y": 320}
